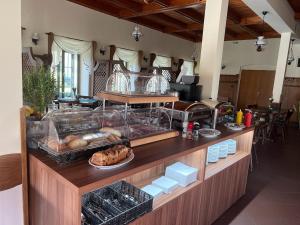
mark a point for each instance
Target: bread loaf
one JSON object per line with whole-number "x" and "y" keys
{"x": 111, "y": 156}
{"x": 56, "y": 145}
{"x": 111, "y": 131}
{"x": 77, "y": 143}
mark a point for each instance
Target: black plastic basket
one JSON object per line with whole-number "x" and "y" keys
{"x": 122, "y": 201}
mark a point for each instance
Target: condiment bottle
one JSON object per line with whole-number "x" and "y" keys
{"x": 239, "y": 117}
{"x": 248, "y": 119}
{"x": 189, "y": 133}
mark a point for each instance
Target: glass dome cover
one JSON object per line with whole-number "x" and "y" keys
{"x": 129, "y": 83}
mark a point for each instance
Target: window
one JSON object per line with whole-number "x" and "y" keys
{"x": 187, "y": 68}
{"x": 130, "y": 59}
{"x": 162, "y": 61}
{"x": 67, "y": 74}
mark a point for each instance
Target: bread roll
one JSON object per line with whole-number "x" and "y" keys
{"x": 70, "y": 138}
{"x": 111, "y": 156}
{"x": 56, "y": 145}
{"x": 77, "y": 143}
{"x": 111, "y": 131}
{"x": 113, "y": 138}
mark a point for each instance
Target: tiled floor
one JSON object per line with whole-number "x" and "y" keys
{"x": 273, "y": 192}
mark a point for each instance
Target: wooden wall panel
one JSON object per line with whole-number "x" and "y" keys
{"x": 228, "y": 88}
{"x": 291, "y": 95}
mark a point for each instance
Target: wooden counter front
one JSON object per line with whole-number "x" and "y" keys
{"x": 56, "y": 190}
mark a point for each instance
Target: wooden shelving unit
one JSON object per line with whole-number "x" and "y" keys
{"x": 195, "y": 159}
{"x": 243, "y": 150}
{"x": 136, "y": 99}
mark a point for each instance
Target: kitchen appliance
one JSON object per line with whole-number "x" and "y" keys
{"x": 185, "y": 112}
{"x": 225, "y": 111}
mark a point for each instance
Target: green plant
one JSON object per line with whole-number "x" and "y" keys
{"x": 39, "y": 89}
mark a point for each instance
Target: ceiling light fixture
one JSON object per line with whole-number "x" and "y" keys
{"x": 291, "y": 57}
{"x": 137, "y": 34}
{"x": 260, "y": 42}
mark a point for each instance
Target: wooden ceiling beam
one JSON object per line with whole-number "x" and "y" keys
{"x": 253, "y": 20}
{"x": 161, "y": 6}
{"x": 126, "y": 4}
{"x": 99, "y": 6}
{"x": 234, "y": 19}
{"x": 167, "y": 20}
{"x": 191, "y": 15}
{"x": 156, "y": 26}
{"x": 297, "y": 16}
{"x": 188, "y": 27}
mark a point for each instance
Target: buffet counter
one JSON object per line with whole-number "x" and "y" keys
{"x": 56, "y": 190}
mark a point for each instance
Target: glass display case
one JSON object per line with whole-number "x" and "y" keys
{"x": 147, "y": 122}
{"x": 137, "y": 84}
{"x": 71, "y": 131}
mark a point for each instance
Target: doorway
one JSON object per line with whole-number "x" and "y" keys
{"x": 256, "y": 87}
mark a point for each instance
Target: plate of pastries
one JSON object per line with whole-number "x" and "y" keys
{"x": 112, "y": 158}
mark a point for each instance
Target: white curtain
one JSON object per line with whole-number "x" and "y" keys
{"x": 162, "y": 61}
{"x": 82, "y": 48}
{"x": 187, "y": 68}
{"x": 130, "y": 57}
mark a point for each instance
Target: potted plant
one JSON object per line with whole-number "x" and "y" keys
{"x": 39, "y": 90}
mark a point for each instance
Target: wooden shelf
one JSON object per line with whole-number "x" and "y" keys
{"x": 214, "y": 168}
{"x": 136, "y": 99}
{"x": 165, "y": 198}
{"x": 153, "y": 138}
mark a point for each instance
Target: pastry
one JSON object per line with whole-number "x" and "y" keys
{"x": 56, "y": 145}
{"x": 113, "y": 138}
{"x": 111, "y": 156}
{"x": 77, "y": 143}
{"x": 111, "y": 131}
{"x": 70, "y": 138}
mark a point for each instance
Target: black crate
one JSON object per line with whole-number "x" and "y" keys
{"x": 121, "y": 197}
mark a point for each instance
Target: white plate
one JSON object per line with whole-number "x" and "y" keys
{"x": 234, "y": 126}
{"x": 122, "y": 163}
{"x": 209, "y": 133}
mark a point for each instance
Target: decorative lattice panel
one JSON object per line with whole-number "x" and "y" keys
{"x": 166, "y": 74}
{"x": 101, "y": 75}
{"x": 27, "y": 63}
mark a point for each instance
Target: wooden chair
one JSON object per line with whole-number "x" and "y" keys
{"x": 280, "y": 123}
{"x": 13, "y": 170}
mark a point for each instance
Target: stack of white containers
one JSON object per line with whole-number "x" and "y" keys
{"x": 177, "y": 174}
{"x": 220, "y": 151}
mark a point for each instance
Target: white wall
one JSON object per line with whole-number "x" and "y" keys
{"x": 243, "y": 54}
{"x": 68, "y": 19}
{"x": 11, "y": 101}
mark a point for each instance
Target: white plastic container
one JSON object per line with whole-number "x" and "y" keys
{"x": 182, "y": 173}
{"x": 153, "y": 190}
{"x": 232, "y": 146}
{"x": 223, "y": 151}
{"x": 166, "y": 184}
{"x": 213, "y": 153}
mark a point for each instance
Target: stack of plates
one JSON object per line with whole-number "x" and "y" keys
{"x": 223, "y": 149}
{"x": 231, "y": 146}
{"x": 213, "y": 153}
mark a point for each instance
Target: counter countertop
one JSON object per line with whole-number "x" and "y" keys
{"x": 86, "y": 178}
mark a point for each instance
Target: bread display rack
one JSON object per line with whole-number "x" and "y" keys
{"x": 134, "y": 88}
{"x": 72, "y": 134}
